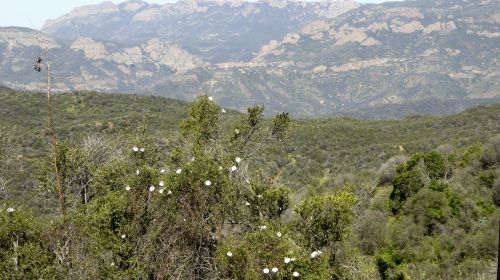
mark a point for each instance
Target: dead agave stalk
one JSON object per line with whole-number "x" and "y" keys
{"x": 53, "y": 142}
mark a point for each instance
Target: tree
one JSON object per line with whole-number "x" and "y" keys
{"x": 322, "y": 220}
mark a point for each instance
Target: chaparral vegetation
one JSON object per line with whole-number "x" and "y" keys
{"x": 225, "y": 195}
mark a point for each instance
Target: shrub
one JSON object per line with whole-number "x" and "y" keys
{"x": 387, "y": 170}
{"x": 323, "y": 219}
{"x": 24, "y": 254}
{"x": 405, "y": 184}
{"x": 428, "y": 208}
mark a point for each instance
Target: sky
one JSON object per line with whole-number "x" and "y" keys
{"x": 33, "y": 13}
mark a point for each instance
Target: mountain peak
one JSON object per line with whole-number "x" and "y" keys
{"x": 133, "y": 5}
{"x": 106, "y": 7}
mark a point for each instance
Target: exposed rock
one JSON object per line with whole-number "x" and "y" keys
{"x": 319, "y": 69}
{"x": 357, "y": 65}
{"x": 406, "y": 27}
{"x": 128, "y": 56}
{"x": 272, "y": 48}
{"x": 332, "y": 10}
{"x": 229, "y": 65}
{"x": 18, "y": 38}
{"x": 315, "y": 27}
{"x": 291, "y": 38}
{"x": 133, "y": 5}
{"x": 147, "y": 15}
{"x": 452, "y": 52}
{"x": 351, "y": 35}
{"x": 370, "y": 42}
{"x": 429, "y": 52}
{"x": 93, "y": 50}
{"x": 171, "y": 55}
{"x": 378, "y": 26}
{"x": 488, "y": 34}
{"x": 439, "y": 26}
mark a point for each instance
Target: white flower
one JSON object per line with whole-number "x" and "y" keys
{"x": 259, "y": 196}
{"x": 135, "y": 149}
{"x": 112, "y": 264}
{"x": 316, "y": 253}
{"x": 233, "y": 168}
{"x": 193, "y": 158}
{"x": 142, "y": 150}
{"x": 223, "y": 111}
{"x": 137, "y": 172}
{"x": 161, "y": 183}
{"x": 247, "y": 203}
{"x": 295, "y": 274}
{"x": 169, "y": 192}
{"x": 278, "y": 234}
{"x": 237, "y": 131}
{"x": 287, "y": 260}
{"x": 178, "y": 171}
{"x": 263, "y": 227}
{"x": 152, "y": 188}
{"x": 238, "y": 160}
{"x": 229, "y": 254}
{"x": 161, "y": 190}
{"x": 127, "y": 188}
{"x": 211, "y": 98}
{"x": 220, "y": 167}
{"x": 124, "y": 236}
{"x": 208, "y": 183}
{"x": 162, "y": 171}
{"x": 265, "y": 270}
{"x": 274, "y": 270}
{"x": 10, "y": 210}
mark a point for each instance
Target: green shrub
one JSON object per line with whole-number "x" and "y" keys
{"x": 24, "y": 251}
{"x": 323, "y": 219}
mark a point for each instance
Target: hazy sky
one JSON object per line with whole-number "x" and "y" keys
{"x": 33, "y": 13}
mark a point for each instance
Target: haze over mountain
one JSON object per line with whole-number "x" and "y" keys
{"x": 308, "y": 58}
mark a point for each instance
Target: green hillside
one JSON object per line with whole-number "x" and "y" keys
{"x": 416, "y": 198}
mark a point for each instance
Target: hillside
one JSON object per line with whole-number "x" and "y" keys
{"x": 308, "y": 58}
{"x": 318, "y": 154}
{"x": 146, "y": 194}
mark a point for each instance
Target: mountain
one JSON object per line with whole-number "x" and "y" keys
{"x": 308, "y": 58}
{"x": 216, "y": 30}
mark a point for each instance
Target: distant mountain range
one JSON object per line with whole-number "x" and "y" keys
{"x": 307, "y": 58}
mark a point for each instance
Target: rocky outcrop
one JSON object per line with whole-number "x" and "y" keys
{"x": 14, "y": 37}
{"x": 93, "y": 50}
{"x": 171, "y": 55}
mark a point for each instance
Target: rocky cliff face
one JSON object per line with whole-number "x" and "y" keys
{"x": 216, "y": 30}
{"x": 308, "y": 58}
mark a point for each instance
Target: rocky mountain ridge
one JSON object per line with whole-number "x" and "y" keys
{"x": 388, "y": 60}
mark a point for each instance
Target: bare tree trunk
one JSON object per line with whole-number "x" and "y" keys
{"x": 53, "y": 141}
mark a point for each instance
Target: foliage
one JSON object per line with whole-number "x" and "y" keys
{"x": 323, "y": 220}
{"x": 146, "y": 203}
